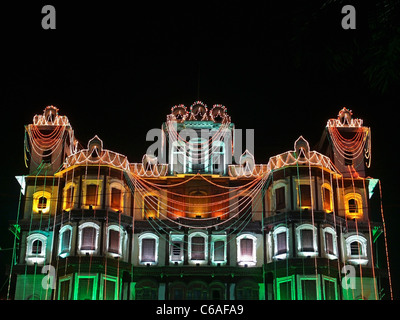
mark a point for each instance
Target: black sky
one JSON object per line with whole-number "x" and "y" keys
{"x": 116, "y": 70}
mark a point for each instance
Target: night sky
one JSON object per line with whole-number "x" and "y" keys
{"x": 280, "y": 69}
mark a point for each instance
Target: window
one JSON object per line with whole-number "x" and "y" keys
{"x": 327, "y": 198}
{"x": 150, "y": 207}
{"x": 330, "y": 242}
{"x": 41, "y": 202}
{"x": 281, "y": 242}
{"x": 113, "y": 241}
{"x": 116, "y": 241}
{"x": 304, "y": 196}
{"x": 91, "y": 194}
{"x": 198, "y": 248}
{"x": 116, "y": 197}
{"x": 176, "y": 248}
{"x": 88, "y": 238}
{"x": 148, "y": 250}
{"x": 246, "y": 248}
{"x": 69, "y": 198}
{"x": 329, "y": 288}
{"x": 309, "y": 289}
{"x": 280, "y": 202}
{"x": 306, "y": 240}
{"x": 218, "y": 248}
{"x": 65, "y": 236}
{"x": 109, "y": 288}
{"x": 36, "y": 244}
{"x": 353, "y": 205}
{"x": 85, "y": 287}
{"x": 64, "y": 288}
{"x": 285, "y": 288}
{"x": 148, "y": 247}
{"x": 176, "y": 251}
{"x": 356, "y": 246}
{"x": 219, "y": 251}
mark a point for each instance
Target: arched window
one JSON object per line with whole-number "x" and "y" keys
{"x": 88, "y": 238}
{"x": 218, "y": 249}
{"x": 307, "y": 240}
{"x": 116, "y": 199}
{"x": 92, "y": 189}
{"x": 36, "y": 244}
{"x": 280, "y": 197}
{"x": 246, "y": 250}
{"x": 64, "y": 241}
{"x": 41, "y": 202}
{"x": 326, "y": 192}
{"x": 330, "y": 242}
{"x": 198, "y": 248}
{"x": 356, "y": 247}
{"x": 69, "y": 197}
{"x": 148, "y": 249}
{"x": 91, "y": 194}
{"x": 116, "y": 240}
{"x": 281, "y": 242}
{"x": 353, "y": 205}
{"x": 304, "y": 199}
{"x": 176, "y": 248}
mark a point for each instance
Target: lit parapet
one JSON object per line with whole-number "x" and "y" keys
{"x": 301, "y": 155}
{"x": 96, "y": 155}
{"x": 149, "y": 167}
{"x": 345, "y": 119}
{"x": 247, "y": 167}
{"x": 50, "y": 117}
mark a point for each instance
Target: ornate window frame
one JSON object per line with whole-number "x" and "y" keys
{"x": 361, "y": 259}
{"x": 300, "y": 251}
{"x": 278, "y": 230}
{"x": 190, "y": 237}
{"x": 241, "y": 260}
{"x": 148, "y": 235}
{"x": 122, "y": 240}
{"x": 39, "y": 258}
{"x": 80, "y": 229}
{"x": 332, "y": 231}
{"x": 60, "y": 236}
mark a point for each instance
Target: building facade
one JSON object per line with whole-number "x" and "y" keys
{"x": 201, "y": 220}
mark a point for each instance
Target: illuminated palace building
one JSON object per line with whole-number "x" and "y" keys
{"x": 198, "y": 221}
